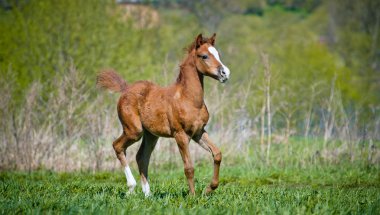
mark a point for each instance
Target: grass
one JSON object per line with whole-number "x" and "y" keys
{"x": 243, "y": 189}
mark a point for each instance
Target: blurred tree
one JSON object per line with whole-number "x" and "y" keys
{"x": 308, "y": 5}
{"x": 361, "y": 18}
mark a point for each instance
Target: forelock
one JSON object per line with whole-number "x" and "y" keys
{"x": 192, "y": 46}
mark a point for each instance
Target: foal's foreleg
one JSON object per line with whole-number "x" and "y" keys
{"x": 143, "y": 156}
{"x": 183, "y": 144}
{"x": 205, "y": 142}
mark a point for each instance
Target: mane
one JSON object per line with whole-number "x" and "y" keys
{"x": 192, "y": 45}
{"x": 182, "y": 68}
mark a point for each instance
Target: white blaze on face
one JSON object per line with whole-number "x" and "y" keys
{"x": 214, "y": 52}
{"x": 131, "y": 182}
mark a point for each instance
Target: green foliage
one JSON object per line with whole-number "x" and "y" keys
{"x": 44, "y": 37}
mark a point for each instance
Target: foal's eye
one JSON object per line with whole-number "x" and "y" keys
{"x": 204, "y": 57}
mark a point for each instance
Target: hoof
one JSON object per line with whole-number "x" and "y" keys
{"x": 191, "y": 194}
{"x": 208, "y": 190}
{"x": 131, "y": 187}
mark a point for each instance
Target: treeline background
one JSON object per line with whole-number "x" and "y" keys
{"x": 304, "y": 87}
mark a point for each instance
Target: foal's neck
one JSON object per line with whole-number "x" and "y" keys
{"x": 191, "y": 81}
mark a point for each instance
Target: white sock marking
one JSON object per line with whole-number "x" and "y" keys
{"x": 214, "y": 52}
{"x": 131, "y": 182}
{"x": 145, "y": 188}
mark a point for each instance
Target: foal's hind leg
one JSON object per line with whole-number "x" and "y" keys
{"x": 204, "y": 141}
{"x": 143, "y": 156}
{"x": 120, "y": 145}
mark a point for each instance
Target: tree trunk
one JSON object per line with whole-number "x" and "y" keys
{"x": 262, "y": 134}
{"x": 268, "y": 103}
{"x": 330, "y": 119}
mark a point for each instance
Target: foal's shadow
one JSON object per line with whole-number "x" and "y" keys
{"x": 183, "y": 193}
{"x": 168, "y": 194}
{"x": 156, "y": 194}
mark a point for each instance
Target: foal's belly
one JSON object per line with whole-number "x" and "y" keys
{"x": 166, "y": 120}
{"x": 156, "y": 120}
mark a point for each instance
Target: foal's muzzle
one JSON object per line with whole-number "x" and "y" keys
{"x": 223, "y": 73}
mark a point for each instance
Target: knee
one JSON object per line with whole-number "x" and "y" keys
{"x": 117, "y": 147}
{"x": 218, "y": 158}
{"x": 189, "y": 172}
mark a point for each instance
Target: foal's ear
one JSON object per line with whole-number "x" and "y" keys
{"x": 198, "y": 41}
{"x": 212, "y": 39}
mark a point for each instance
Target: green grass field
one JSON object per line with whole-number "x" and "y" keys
{"x": 243, "y": 189}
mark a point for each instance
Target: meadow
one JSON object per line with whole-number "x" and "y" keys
{"x": 300, "y": 183}
{"x": 243, "y": 190}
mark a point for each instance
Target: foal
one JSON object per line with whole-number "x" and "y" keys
{"x": 150, "y": 111}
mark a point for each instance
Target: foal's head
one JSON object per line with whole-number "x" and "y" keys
{"x": 207, "y": 59}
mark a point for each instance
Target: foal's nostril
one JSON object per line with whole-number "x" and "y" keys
{"x": 221, "y": 71}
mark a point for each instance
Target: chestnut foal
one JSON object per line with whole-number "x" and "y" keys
{"x": 150, "y": 111}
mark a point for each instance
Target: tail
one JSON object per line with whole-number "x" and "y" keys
{"x": 109, "y": 79}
